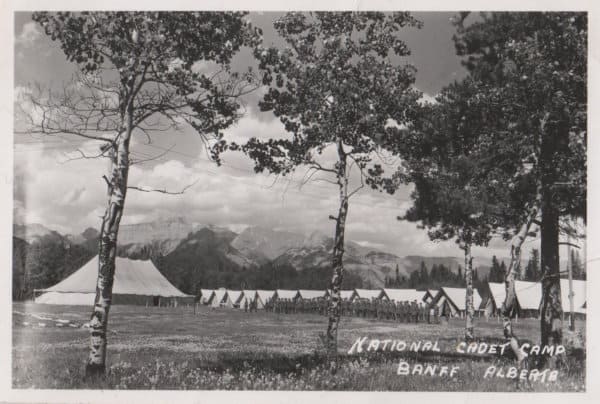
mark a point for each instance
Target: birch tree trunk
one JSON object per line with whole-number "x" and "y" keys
{"x": 334, "y": 312}
{"x": 509, "y": 306}
{"x": 117, "y": 189}
{"x": 469, "y": 308}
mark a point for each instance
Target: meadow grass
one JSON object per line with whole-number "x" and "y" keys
{"x": 173, "y": 348}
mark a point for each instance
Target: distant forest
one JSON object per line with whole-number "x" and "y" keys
{"x": 440, "y": 275}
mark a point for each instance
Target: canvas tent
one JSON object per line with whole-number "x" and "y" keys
{"x": 220, "y": 298}
{"x": 429, "y": 295}
{"x": 528, "y": 294}
{"x": 263, "y": 296}
{"x": 455, "y": 300}
{"x": 346, "y": 294}
{"x": 286, "y": 294}
{"x": 529, "y": 297}
{"x": 206, "y": 295}
{"x": 311, "y": 294}
{"x": 248, "y": 296}
{"x": 135, "y": 282}
{"x": 447, "y": 309}
{"x": 368, "y": 294}
{"x": 403, "y": 295}
{"x": 71, "y": 298}
{"x": 579, "y": 297}
{"x": 493, "y": 303}
{"x": 233, "y": 298}
{"x": 440, "y": 303}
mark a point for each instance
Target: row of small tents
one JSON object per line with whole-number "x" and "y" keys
{"x": 529, "y": 298}
{"x": 140, "y": 282}
{"x": 450, "y": 301}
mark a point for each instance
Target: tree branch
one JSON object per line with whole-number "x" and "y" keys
{"x": 152, "y": 158}
{"x": 85, "y": 156}
{"x": 163, "y": 191}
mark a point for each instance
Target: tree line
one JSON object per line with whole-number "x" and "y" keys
{"x": 423, "y": 278}
{"x": 532, "y": 272}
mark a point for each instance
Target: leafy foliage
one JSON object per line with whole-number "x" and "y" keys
{"x": 168, "y": 65}
{"x": 450, "y": 199}
{"x": 476, "y": 156}
{"x": 531, "y": 70}
{"x": 529, "y": 75}
{"x": 334, "y": 83}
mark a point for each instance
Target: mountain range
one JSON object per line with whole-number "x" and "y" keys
{"x": 190, "y": 253}
{"x": 175, "y": 240}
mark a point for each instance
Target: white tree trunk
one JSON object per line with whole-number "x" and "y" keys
{"x": 509, "y": 305}
{"x": 469, "y": 307}
{"x": 117, "y": 190}
{"x": 334, "y": 311}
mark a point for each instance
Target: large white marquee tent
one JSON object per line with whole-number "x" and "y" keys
{"x": 135, "y": 282}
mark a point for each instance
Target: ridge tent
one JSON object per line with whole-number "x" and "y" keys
{"x": 528, "y": 294}
{"x": 263, "y": 296}
{"x": 529, "y": 297}
{"x": 455, "y": 301}
{"x": 402, "y": 295}
{"x": 493, "y": 303}
{"x": 439, "y": 302}
{"x": 368, "y": 293}
{"x": 346, "y": 294}
{"x": 429, "y": 295}
{"x": 135, "y": 282}
{"x": 235, "y": 298}
{"x": 219, "y": 298}
{"x": 286, "y": 294}
{"x": 311, "y": 294}
{"x": 249, "y": 296}
{"x": 206, "y": 295}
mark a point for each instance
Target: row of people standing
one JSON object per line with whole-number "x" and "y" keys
{"x": 405, "y": 311}
{"x": 292, "y": 306}
{"x": 250, "y": 305}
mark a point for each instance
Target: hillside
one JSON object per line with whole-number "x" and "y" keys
{"x": 194, "y": 255}
{"x": 202, "y": 258}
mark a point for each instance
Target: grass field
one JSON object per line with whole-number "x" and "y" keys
{"x": 173, "y": 348}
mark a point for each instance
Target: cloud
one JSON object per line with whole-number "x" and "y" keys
{"x": 73, "y": 196}
{"x": 427, "y": 99}
{"x": 29, "y": 35}
{"x": 70, "y": 197}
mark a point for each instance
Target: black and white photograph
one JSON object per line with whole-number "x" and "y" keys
{"x": 357, "y": 199}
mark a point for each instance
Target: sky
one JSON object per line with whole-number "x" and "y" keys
{"x": 69, "y": 196}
